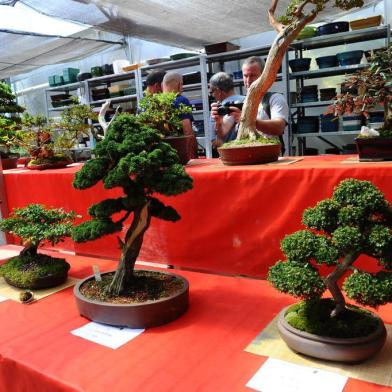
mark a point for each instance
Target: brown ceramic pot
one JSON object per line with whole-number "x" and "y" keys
{"x": 183, "y": 146}
{"x": 250, "y": 155}
{"x": 374, "y": 149}
{"x": 9, "y": 163}
{"x": 141, "y": 315}
{"x": 332, "y": 349}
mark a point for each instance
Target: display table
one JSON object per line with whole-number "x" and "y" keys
{"x": 232, "y": 221}
{"x": 201, "y": 351}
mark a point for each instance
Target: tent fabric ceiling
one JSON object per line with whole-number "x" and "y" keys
{"x": 182, "y": 23}
{"x": 22, "y": 53}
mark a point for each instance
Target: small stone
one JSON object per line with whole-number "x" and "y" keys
{"x": 26, "y": 296}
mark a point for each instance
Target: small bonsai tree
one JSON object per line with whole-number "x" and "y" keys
{"x": 158, "y": 111}
{"x": 355, "y": 220}
{"x": 134, "y": 158}
{"x": 35, "y": 224}
{"x": 9, "y": 121}
{"x": 374, "y": 86}
{"x": 299, "y": 13}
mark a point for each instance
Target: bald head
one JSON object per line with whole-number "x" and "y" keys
{"x": 172, "y": 82}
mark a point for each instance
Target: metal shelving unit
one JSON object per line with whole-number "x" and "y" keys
{"x": 350, "y": 37}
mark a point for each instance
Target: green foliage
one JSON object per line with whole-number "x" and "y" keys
{"x": 355, "y": 220}
{"x": 252, "y": 142}
{"x": 314, "y": 317}
{"x": 297, "y": 279}
{"x": 133, "y": 157}
{"x": 369, "y": 289}
{"x": 158, "y": 112}
{"x": 34, "y": 224}
{"x": 23, "y": 271}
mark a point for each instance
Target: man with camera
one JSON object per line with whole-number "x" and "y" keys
{"x": 273, "y": 112}
{"x": 223, "y": 125}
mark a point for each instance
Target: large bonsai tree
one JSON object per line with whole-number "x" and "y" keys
{"x": 355, "y": 220}
{"x": 299, "y": 13}
{"x": 134, "y": 158}
{"x": 374, "y": 86}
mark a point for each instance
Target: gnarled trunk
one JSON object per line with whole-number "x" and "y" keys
{"x": 331, "y": 281}
{"x": 286, "y": 35}
{"x": 130, "y": 250}
{"x": 29, "y": 249}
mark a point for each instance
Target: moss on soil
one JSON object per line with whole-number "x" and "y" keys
{"x": 314, "y": 317}
{"x": 251, "y": 143}
{"x": 147, "y": 286}
{"x": 23, "y": 271}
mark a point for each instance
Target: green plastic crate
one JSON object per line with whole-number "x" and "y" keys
{"x": 69, "y": 75}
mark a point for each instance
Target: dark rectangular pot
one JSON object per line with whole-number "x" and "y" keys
{"x": 374, "y": 149}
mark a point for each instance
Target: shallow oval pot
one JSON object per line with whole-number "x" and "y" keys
{"x": 141, "y": 315}
{"x": 250, "y": 155}
{"x": 332, "y": 349}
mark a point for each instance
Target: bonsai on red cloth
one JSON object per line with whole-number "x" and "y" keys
{"x": 355, "y": 220}
{"x": 132, "y": 157}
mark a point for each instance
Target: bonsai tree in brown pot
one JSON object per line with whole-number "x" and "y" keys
{"x": 9, "y": 126}
{"x": 250, "y": 146}
{"x": 35, "y": 224}
{"x": 159, "y": 112}
{"x": 134, "y": 158}
{"x": 355, "y": 220}
{"x": 374, "y": 87}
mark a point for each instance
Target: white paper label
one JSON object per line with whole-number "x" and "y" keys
{"x": 97, "y": 273}
{"x": 106, "y": 335}
{"x": 280, "y": 376}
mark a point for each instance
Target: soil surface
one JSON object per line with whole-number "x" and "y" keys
{"x": 146, "y": 286}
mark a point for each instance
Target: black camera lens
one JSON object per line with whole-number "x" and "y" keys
{"x": 223, "y": 110}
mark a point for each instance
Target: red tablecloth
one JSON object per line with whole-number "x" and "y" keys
{"x": 201, "y": 351}
{"x": 233, "y": 219}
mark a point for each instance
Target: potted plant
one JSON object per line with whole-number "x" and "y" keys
{"x": 355, "y": 220}
{"x": 250, "y": 146}
{"x": 374, "y": 87}
{"x": 9, "y": 129}
{"x": 35, "y": 224}
{"x": 134, "y": 158}
{"x": 159, "y": 112}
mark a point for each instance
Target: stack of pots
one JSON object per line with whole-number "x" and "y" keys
{"x": 309, "y": 94}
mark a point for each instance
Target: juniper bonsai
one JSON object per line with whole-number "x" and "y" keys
{"x": 298, "y": 14}
{"x": 355, "y": 220}
{"x": 133, "y": 157}
{"x": 35, "y": 224}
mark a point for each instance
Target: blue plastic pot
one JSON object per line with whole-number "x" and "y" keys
{"x": 329, "y": 123}
{"x": 350, "y": 58}
{"x": 333, "y": 28}
{"x": 327, "y": 61}
{"x": 299, "y": 65}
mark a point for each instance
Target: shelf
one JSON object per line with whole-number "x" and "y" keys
{"x": 327, "y": 71}
{"x": 66, "y": 87}
{"x": 112, "y": 78}
{"x": 238, "y": 54}
{"x": 318, "y": 134}
{"x": 175, "y": 64}
{"x": 312, "y": 104}
{"x": 341, "y": 38}
{"x": 194, "y": 86}
{"x": 124, "y": 98}
{"x": 59, "y": 109}
{"x": 197, "y": 111}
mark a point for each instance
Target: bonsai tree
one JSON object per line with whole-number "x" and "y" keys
{"x": 132, "y": 157}
{"x": 355, "y": 220}
{"x": 374, "y": 86}
{"x": 299, "y": 13}
{"x": 34, "y": 224}
{"x": 158, "y": 111}
{"x": 9, "y": 120}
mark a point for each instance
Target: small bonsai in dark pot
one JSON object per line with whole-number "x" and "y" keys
{"x": 132, "y": 157}
{"x": 355, "y": 220}
{"x": 35, "y": 224}
{"x": 374, "y": 86}
{"x": 158, "y": 111}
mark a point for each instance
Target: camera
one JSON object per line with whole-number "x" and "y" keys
{"x": 225, "y": 108}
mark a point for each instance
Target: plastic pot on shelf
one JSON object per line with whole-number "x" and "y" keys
{"x": 327, "y": 61}
{"x": 333, "y": 28}
{"x": 350, "y": 58}
{"x": 299, "y": 65}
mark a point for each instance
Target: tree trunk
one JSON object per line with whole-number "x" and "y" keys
{"x": 130, "y": 250}
{"x": 387, "y": 115}
{"x": 331, "y": 281}
{"x": 29, "y": 249}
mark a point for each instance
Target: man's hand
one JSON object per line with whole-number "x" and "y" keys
{"x": 214, "y": 113}
{"x": 235, "y": 113}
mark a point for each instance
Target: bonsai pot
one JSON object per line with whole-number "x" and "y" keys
{"x": 332, "y": 349}
{"x": 249, "y": 154}
{"x": 134, "y": 315}
{"x": 24, "y": 160}
{"x": 9, "y": 163}
{"x": 374, "y": 149}
{"x": 183, "y": 146}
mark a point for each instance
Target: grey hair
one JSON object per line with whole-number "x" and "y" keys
{"x": 223, "y": 81}
{"x": 255, "y": 60}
